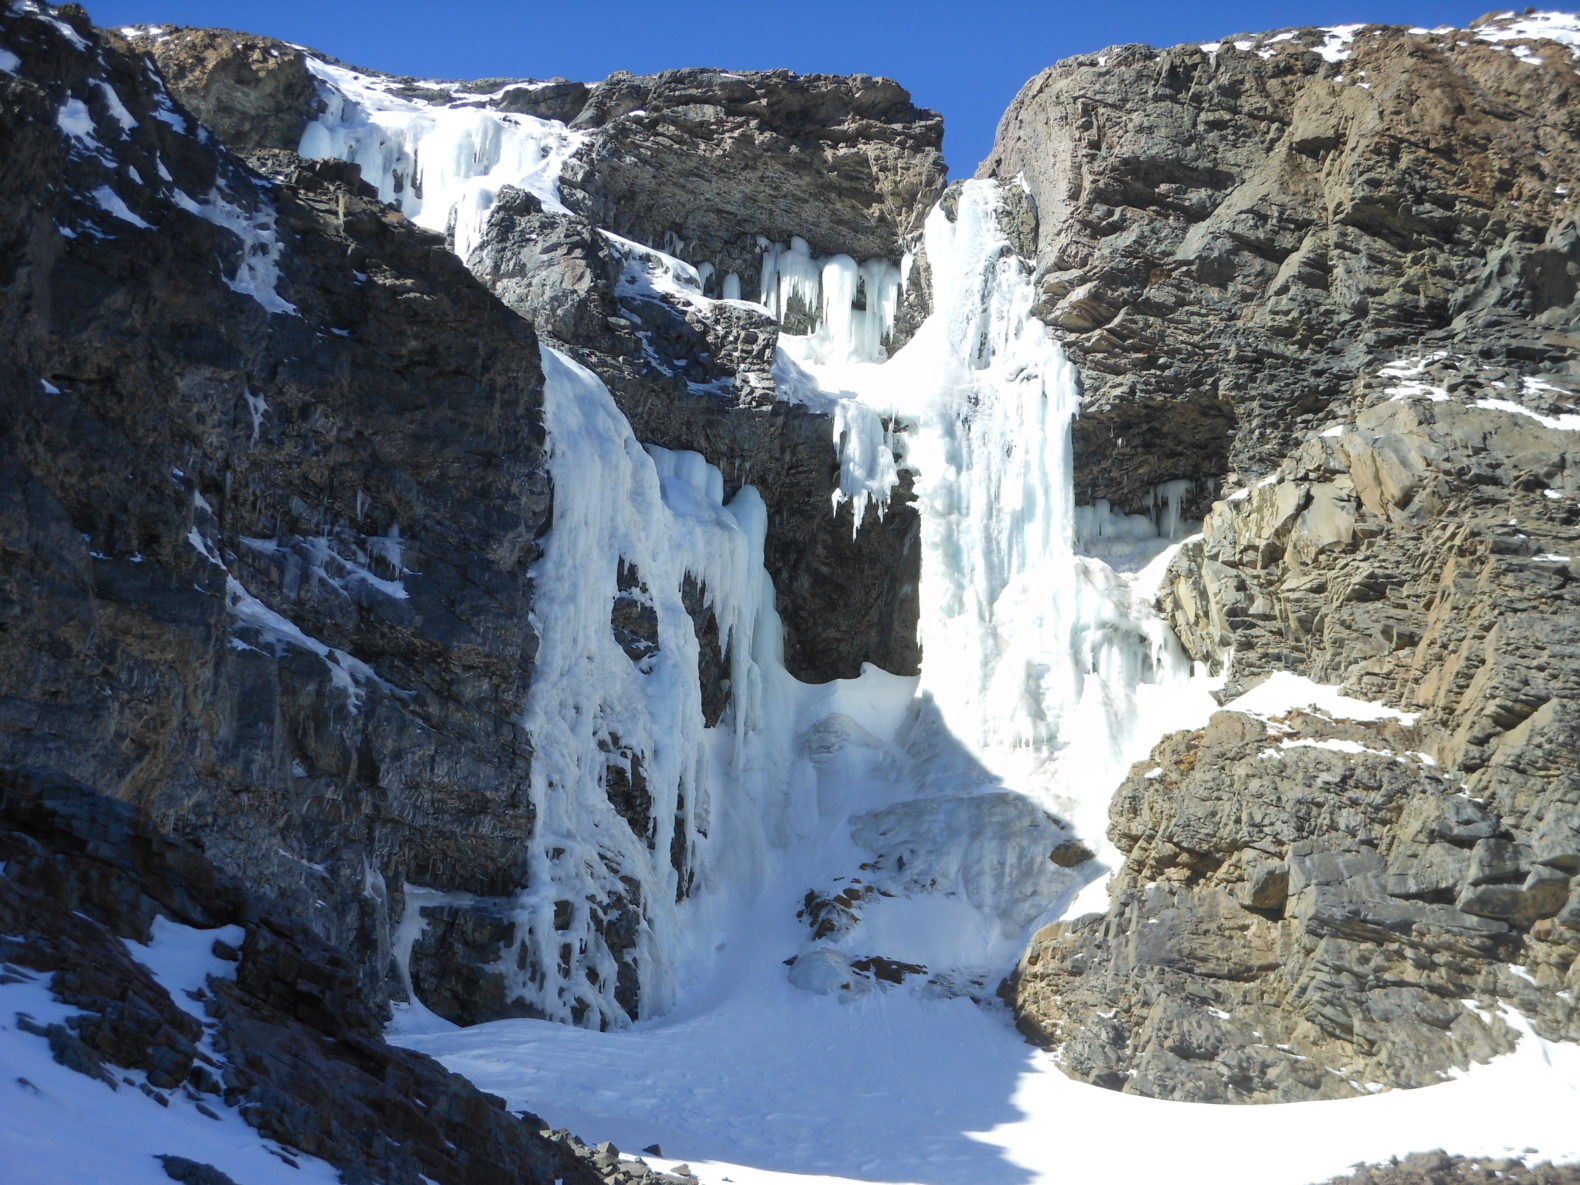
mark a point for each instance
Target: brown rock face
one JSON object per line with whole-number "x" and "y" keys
{"x": 1308, "y": 908}
{"x": 1346, "y": 288}
{"x": 253, "y": 92}
{"x": 1229, "y": 237}
{"x": 701, "y": 162}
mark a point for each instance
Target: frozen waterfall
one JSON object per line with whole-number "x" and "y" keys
{"x": 1049, "y": 666}
{"x": 441, "y": 164}
{"x": 1045, "y": 671}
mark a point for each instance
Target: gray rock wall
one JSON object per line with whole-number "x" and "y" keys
{"x": 265, "y": 575}
{"x": 1230, "y": 237}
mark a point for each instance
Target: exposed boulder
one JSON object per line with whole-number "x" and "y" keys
{"x": 1309, "y": 908}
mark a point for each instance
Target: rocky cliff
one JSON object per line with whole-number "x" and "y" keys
{"x": 272, "y": 518}
{"x": 1326, "y": 275}
{"x": 717, "y": 169}
{"x": 277, "y": 484}
{"x": 235, "y": 425}
{"x": 1234, "y": 235}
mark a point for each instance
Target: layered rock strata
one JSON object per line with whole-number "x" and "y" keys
{"x": 1233, "y": 233}
{"x": 267, "y": 520}
{"x": 1366, "y": 274}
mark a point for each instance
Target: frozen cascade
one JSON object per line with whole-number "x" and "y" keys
{"x": 1131, "y": 541}
{"x": 442, "y": 166}
{"x": 1043, "y": 668}
{"x": 662, "y": 513}
{"x": 852, "y": 305}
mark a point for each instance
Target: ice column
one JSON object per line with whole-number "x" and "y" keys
{"x": 829, "y": 290}
{"x": 590, "y": 874}
{"x": 1035, "y": 659}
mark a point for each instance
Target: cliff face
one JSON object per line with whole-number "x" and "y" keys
{"x": 277, "y": 472}
{"x": 1335, "y": 270}
{"x": 712, "y": 167}
{"x": 1233, "y": 236}
{"x": 236, "y": 425}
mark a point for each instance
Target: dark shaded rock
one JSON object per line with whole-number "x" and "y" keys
{"x": 265, "y": 570}
{"x": 193, "y": 1172}
{"x": 299, "y": 1051}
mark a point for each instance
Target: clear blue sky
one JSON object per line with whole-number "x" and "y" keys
{"x": 966, "y": 58}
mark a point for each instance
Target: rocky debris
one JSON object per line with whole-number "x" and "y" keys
{"x": 825, "y": 972}
{"x": 267, "y": 519}
{"x": 1232, "y": 233}
{"x": 1309, "y": 908}
{"x": 287, "y": 1040}
{"x": 833, "y": 914}
{"x": 1439, "y": 1168}
{"x": 1013, "y": 868}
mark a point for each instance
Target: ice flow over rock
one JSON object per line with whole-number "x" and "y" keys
{"x": 1043, "y": 668}
{"x": 442, "y": 165}
{"x": 1044, "y": 674}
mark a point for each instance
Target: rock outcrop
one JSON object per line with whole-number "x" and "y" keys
{"x": 253, "y": 92}
{"x": 1232, "y": 233}
{"x": 279, "y": 1034}
{"x": 1359, "y": 255}
{"x": 702, "y": 162}
{"x": 1438, "y": 1168}
{"x": 1309, "y": 908}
